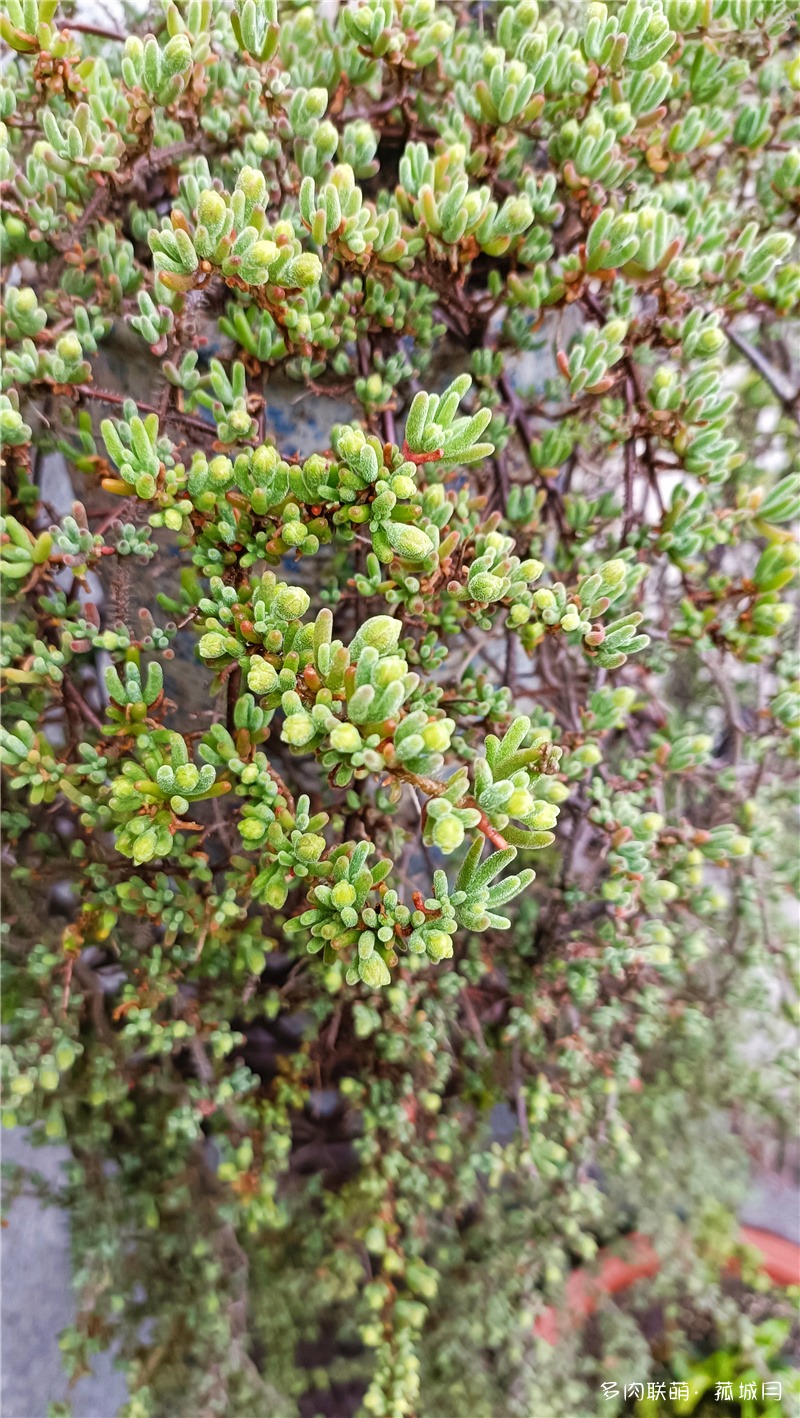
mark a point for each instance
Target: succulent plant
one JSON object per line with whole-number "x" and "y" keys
{"x": 452, "y": 758}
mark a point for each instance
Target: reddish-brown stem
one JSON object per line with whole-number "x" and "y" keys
{"x": 106, "y": 396}
{"x": 434, "y": 789}
{"x": 490, "y": 833}
{"x": 72, "y": 693}
{"x": 419, "y": 458}
{"x": 526, "y": 434}
{"x": 97, "y": 30}
{"x": 68, "y": 969}
{"x": 232, "y": 695}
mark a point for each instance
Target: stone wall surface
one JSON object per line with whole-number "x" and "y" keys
{"x": 37, "y": 1303}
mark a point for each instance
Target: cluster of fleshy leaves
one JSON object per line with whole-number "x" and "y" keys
{"x": 288, "y": 730}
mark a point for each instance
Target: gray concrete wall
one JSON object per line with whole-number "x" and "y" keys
{"x": 37, "y": 1303}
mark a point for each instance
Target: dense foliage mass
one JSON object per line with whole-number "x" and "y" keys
{"x": 414, "y": 816}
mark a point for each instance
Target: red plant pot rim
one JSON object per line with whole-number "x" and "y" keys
{"x": 780, "y": 1260}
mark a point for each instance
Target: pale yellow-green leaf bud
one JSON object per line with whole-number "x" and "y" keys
{"x": 342, "y": 895}
{"x": 261, "y": 675}
{"x": 380, "y": 631}
{"x": 212, "y": 645}
{"x": 345, "y": 738}
{"x": 291, "y": 602}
